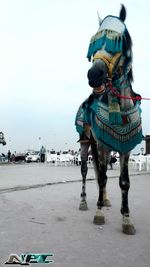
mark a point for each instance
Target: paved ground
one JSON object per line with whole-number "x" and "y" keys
{"x": 39, "y": 214}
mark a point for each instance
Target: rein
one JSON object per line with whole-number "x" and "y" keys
{"x": 115, "y": 92}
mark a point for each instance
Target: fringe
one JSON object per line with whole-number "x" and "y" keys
{"x": 115, "y": 141}
{"x": 113, "y": 43}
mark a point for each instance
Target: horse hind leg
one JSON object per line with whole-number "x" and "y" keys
{"x": 124, "y": 182}
{"x": 100, "y": 166}
{"x": 106, "y": 201}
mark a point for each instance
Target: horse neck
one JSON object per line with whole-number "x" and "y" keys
{"x": 124, "y": 87}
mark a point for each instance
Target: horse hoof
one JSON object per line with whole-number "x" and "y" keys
{"x": 83, "y": 205}
{"x": 106, "y": 203}
{"x": 99, "y": 218}
{"x": 127, "y": 226}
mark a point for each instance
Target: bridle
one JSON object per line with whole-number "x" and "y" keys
{"x": 111, "y": 63}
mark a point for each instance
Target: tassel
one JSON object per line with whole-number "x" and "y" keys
{"x": 114, "y": 113}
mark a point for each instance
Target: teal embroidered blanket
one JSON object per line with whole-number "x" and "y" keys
{"x": 121, "y": 138}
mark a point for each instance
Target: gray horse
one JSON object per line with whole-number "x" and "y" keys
{"x": 112, "y": 112}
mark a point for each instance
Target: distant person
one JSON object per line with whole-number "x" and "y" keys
{"x": 9, "y": 155}
{"x": 42, "y": 154}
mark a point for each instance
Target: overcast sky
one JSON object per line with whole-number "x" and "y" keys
{"x": 43, "y": 66}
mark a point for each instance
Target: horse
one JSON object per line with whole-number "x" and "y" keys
{"x": 112, "y": 112}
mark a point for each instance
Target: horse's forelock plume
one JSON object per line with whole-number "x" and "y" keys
{"x": 123, "y": 13}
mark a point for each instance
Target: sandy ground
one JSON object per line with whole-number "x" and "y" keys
{"x": 39, "y": 214}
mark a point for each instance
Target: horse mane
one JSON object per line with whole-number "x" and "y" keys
{"x": 127, "y": 52}
{"x": 127, "y": 44}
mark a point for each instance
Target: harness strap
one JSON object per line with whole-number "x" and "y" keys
{"x": 110, "y": 62}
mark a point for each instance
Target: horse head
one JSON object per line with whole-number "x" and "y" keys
{"x": 110, "y": 51}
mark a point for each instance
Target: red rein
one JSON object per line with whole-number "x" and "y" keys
{"x": 114, "y": 91}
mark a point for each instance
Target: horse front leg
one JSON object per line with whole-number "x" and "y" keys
{"x": 84, "y": 169}
{"x": 124, "y": 182}
{"x": 100, "y": 157}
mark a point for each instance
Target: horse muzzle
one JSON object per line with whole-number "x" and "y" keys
{"x": 97, "y": 74}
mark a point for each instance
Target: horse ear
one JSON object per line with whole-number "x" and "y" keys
{"x": 122, "y": 14}
{"x": 99, "y": 19}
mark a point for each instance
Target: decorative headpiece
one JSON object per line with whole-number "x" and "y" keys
{"x": 109, "y": 35}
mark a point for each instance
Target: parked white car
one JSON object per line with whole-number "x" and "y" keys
{"x": 33, "y": 157}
